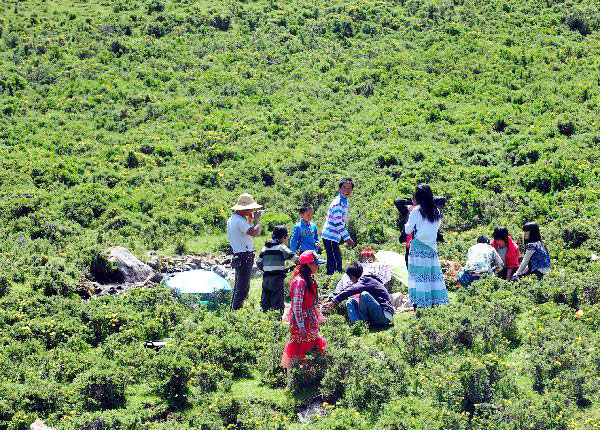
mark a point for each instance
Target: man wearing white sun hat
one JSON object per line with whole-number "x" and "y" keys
{"x": 242, "y": 226}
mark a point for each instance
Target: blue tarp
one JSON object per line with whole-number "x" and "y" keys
{"x": 200, "y": 286}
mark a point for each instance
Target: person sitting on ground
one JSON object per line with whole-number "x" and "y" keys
{"x": 482, "y": 259}
{"x": 305, "y": 236}
{"x": 242, "y": 226}
{"x": 426, "y": 285}
{"x": 334, "y": 230}
{"x": 537, "y": 259}
{"x": 271, "y": 261}
{"x": 375, "y": 304}
{"x": 508, "y": 251}
{"x": 303, "y": 315}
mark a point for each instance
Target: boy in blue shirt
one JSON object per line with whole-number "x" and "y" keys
{"x": 305, "y": 235}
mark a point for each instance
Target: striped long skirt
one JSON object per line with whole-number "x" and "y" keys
{"x": 426, "y": 286}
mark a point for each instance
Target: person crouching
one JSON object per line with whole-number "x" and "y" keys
{"x": 375, "y": 304}
{"x": 271, "y": 261}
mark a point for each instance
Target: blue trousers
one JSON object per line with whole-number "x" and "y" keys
{"x": 466, "y": 278}
{"x": 367, "y": 309}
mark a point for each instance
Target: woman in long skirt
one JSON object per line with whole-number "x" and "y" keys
{"x": 303, "y": 315}
{"x": 426, "y": 286}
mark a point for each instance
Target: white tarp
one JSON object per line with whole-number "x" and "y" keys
{"x": 198, "y": 282}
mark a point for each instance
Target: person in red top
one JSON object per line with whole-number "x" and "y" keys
{"x": 303, "y": 315}
{"x": 508, "y": 250}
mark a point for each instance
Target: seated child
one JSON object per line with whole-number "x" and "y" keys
{"x": 305, "y": 236}
{"x": 482, "y": 259}
{"x": 508, "y": 251}
{"x": 271, "y": 261}
{"x": 537, "y": 259}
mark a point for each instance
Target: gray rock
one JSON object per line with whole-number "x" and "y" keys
{"x": 132, "y": 269}
{"x": 153, "y": 262}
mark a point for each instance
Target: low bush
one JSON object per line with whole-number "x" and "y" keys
{"x": 305, "y": 376}
{"x": 342, "y": 419}
{"x": 208, "y": 377}
{"x": 171, "y": 373}
{"x": 4, "y": 285}
{"x": 409, "y": 413}
{"x": 55, "y": 278}
{"x": 270, "y": 220}
{"x": 361, "y": 377}
{"x": 101, "y": 389}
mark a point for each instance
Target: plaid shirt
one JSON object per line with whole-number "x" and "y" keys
{"x": 302, "y": 310}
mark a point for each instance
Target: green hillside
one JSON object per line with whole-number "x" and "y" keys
{"x": 137, "y": 123}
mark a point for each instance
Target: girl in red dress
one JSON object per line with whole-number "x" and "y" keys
{"x": 304, "y": 316}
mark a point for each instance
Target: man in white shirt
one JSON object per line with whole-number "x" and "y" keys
{"x": 242, "y": 227}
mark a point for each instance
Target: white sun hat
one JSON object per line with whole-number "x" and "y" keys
{"x": 246, "y": 201}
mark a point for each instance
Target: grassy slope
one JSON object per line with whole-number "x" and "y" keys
{"x": 111, "y": 135}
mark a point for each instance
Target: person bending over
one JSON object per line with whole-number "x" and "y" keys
{"x": 482, "y": 260}
{"x": 374, "y": 305}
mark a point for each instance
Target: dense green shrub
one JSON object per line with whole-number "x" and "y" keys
{"x": 410, "y": 413}
{"x": 43, "y": 397}
{"x": 210, "y": 377}
{"x": 4, "y": 285}
{"x": 341, "y": 419}
{"x": 101, "y": 389}
{"x": 270, "y": 220}
{"x": 139, "y": 123}
{"x": 171, "y": 373}
{"x": 362, "y": 378}
{"x": 55, "y": 278}
{"x": 306, "y": 375}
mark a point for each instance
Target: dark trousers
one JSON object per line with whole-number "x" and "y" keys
{"x": 334, "y": 256}
{"x": 242, "y": 263}
{"x": 272, "y": 293}
{"x": 502, "y": 274}
{"x": 537, "y": 273}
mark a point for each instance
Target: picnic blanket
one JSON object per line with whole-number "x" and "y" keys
{"x": 397, "y": 262}
{"x": 388, "y": 265}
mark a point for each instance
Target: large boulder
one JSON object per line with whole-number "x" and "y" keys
{"x": 129, "y": 266}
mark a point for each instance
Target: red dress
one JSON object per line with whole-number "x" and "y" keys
{"x": 303, "y": 311}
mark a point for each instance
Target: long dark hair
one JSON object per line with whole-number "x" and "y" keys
{"x": 304, "y": 271}
{"x": 424, "y": 198}
{"x": 534, "y": 232}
